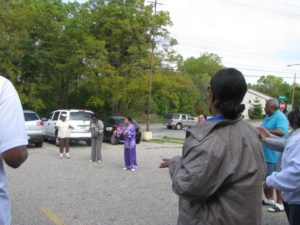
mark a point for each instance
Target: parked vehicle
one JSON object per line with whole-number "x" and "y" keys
{"x": 35, "y": 128}
{"x": 112, "y": 124}
{"x": 179, "y": 120}
{"x": 79, "y": 119}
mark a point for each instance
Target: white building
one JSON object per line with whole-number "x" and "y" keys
{"x": 249, "y": 99}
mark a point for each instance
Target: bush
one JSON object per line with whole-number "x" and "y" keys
{"x": 256, "y": 110}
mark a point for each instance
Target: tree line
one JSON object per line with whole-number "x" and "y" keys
{"x": 275, "y": 86}
{"x": 96, "y": 55}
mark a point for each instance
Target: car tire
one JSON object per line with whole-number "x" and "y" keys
{"x": 138, "y": 141}
{"x": 39, "y": 144}
{"x": 169, "y": 127}
{"x": 178, "y": 126}
{"x": 88, "y": 142}
{"x": 114, "y": 140}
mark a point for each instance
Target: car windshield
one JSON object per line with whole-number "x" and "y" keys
{"x": 134, "y": 123}
{"x": 119, "y": 121}
{"x": 80, "y": 115}
{"x": 31, "y": 117}
{"x": 172, "y": 116}
{"x": 169, "y": 116}
{"x": 175, "y": 116}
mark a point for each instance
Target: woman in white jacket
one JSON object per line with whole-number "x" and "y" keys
{"x": 288, "y": 179}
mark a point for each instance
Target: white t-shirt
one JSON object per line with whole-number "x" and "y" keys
{"x": 12, "y": 134}
{"x": 63, "y": 129}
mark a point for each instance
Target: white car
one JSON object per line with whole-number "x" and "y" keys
{"x": 79, "y": 119}
{"x": 34, "y": 127}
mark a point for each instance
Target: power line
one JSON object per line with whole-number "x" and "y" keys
{"x": 282, "y": 4}
{"x": 233, "y": 51}
{"x": 258, "y": 76}
{"x": 270, "y": 10}
{"x": 268, "y": 71}
{"x": 261, "y": 68}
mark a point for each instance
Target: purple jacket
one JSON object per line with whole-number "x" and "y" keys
{"x": 129, "y": 138}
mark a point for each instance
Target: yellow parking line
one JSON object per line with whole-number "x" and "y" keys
{"x": 54, "y": 218}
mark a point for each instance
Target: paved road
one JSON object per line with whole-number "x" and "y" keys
{"x": 160, "y": 131}
{"x": 47, "y": 190}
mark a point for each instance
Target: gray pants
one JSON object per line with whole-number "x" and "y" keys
{"x": 96, "y": 148}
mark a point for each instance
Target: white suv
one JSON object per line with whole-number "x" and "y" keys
{"x": 34, "y": 127}
{"x": 79, "y": 119}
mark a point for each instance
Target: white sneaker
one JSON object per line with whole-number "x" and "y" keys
{"x": 90, "y": 161}
{"x": 99, "y": 161}
{"x": 68, "y": 155}
{"x": 133, "y": 170}
{"x": 61, "y": 155}
{"x": 269, "y": 202}
{"x": 125, "y": 168}
{"x": 276, "y": 208}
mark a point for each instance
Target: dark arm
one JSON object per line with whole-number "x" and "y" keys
{"x": 277, "y": 132}
{"x": 14, "y": 157}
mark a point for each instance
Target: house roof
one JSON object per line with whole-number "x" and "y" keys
{"x": 258, "y": 94}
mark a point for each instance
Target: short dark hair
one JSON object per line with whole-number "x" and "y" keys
{"x": 204, "y": 115}
{"x": 229, "y": 88}
{"x": 294, "y": 118}
{"x": 94, "y": 116}
{"x": 129, "y": 118}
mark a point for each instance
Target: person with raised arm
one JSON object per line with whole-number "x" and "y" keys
{"x": 220, "y": 173}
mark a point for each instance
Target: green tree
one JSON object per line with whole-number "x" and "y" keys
{"x": 126, "y": 28}
{"x": 50, "y": 51}
{"x": 296, "y": 97}
{"x": 97, "y": 55}
{"x": 273, "y": 86}
{"x": 256, "y": 110}
{"x": 201, "y": 70}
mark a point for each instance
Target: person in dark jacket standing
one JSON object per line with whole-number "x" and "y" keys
{"x": 219, "y": 176}
{"x": 96, "y": 128}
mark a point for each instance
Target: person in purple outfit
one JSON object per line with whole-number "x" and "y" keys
{"x": 129, "y": 133}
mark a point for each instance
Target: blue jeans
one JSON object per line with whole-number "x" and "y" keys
{"x": 293, "y": 213}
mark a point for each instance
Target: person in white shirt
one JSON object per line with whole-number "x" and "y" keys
{"x": 13, "y": 141}
{"x": 63, "y": 127}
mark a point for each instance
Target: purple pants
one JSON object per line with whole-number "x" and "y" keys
{"x": 130, "y": 158}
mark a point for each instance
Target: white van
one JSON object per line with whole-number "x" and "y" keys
{"x": 79, "y": 119}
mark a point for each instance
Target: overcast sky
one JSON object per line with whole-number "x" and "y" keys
{"x": 259, "y": 37}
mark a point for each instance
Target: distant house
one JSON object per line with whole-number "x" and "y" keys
{"x": 249, "y": 99}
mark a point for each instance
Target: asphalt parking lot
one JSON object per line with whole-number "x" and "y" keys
{"x": 47, "y": 190}
{"x": 160, "y": 131}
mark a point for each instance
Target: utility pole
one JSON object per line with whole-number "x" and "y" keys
{"x": 151, "y": 63}
{"x": 294, "y": 85}
{"x": 293, "y": 94}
